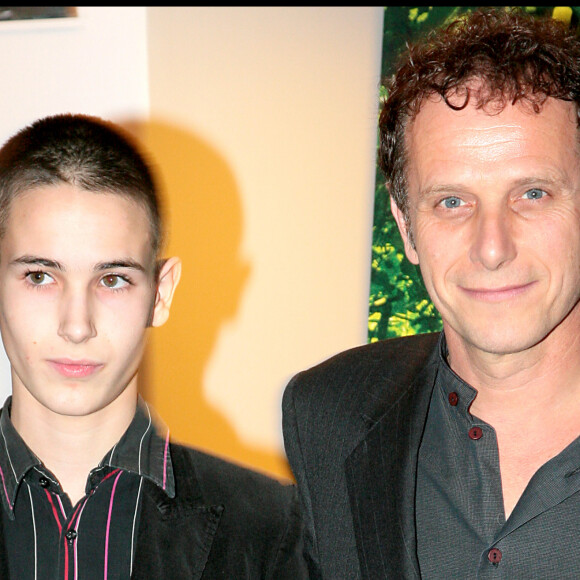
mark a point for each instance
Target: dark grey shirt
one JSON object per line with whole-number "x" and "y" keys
{"x": 462, "y": 532}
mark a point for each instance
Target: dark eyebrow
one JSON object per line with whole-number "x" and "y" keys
{"x": 99, "y": 267}
{"x": 125, "y": 263}
{"x": 38, "y": 261}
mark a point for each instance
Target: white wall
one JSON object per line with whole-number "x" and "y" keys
{"x": 94, "y": 64}
{"x": 287, "y": 97}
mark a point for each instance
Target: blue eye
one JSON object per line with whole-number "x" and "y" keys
{"x": 534, "y": 194}
{"x": 452, "y": 202}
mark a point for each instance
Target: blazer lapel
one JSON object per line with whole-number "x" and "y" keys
{"x": 381, "y": 476}
{"x": 175, "y": 534}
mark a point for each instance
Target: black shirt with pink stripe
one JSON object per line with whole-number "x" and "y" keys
{"x": 48, "y": 537}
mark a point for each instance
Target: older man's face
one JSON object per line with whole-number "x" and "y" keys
{"x": 495, "y": 213}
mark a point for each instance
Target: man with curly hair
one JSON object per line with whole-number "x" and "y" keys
{"x": 458, "y": 455}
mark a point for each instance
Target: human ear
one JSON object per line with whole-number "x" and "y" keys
{"x": 167, "y": 281}
{"x": 403, "y": 224}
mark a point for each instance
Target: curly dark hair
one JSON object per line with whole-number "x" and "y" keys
{"x": 514, "y": 56}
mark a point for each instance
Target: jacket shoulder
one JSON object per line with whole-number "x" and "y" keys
{"x": 327, "y": 410}
{"x": 224, "y": 482}
{"x": 260, "y": 531}
{"x": 382, "y": 368}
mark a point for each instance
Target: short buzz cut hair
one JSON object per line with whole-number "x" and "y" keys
{"x": 514, "y": 56}
{"x": 84, "y": 151}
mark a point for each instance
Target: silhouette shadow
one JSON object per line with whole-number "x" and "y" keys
{"x": 204, "y": 222}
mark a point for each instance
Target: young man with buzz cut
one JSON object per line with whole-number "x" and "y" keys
{"x": 90, "y": 488}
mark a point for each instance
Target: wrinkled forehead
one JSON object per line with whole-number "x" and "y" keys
{"x": 472, "y": 119}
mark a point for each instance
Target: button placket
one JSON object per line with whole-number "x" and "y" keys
{"x": 475, "y": 433}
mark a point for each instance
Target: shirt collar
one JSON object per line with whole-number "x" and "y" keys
{"x": 143, "y": 450}
{"x": 16, "y": 459}
{"x": 455, "y": 390}
{"x": 455, "y": 393}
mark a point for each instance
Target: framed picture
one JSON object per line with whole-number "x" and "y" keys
{"x": 26, "y": 18}
{"x": 11, "y": 13}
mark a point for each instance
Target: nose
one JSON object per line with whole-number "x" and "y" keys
{"x": 76, "y": 317}
{"x": 493, "y": 244}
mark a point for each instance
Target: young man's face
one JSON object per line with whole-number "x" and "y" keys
{"x": 77, "y": 292}
{"x": 495, "y": 213}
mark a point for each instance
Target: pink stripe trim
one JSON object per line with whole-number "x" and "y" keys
{"x": 109, "y": 524}
{"x": 55, "y": 514}
{"x": 61, "y": 507}
{"x": 5, "y": 489}
{"x": 54, "y": 511}
{"x": 78, "y": 519}
{"x": 65, "y": 558}
{"x": 75, "y": 513}
{"x": 165, "y": 459}
{"x": 114, "y": 472}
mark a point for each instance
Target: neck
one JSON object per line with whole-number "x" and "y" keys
{"x": 539, "y": 382}
{"x": 71, "y": 446}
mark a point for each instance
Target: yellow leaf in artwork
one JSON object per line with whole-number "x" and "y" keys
{"x": 563, "y": 13}
{"x": 423, "y": 17}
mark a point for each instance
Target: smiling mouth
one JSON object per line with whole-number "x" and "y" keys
{"x": 497, "y": 294}
{"x": 75, "y": 369}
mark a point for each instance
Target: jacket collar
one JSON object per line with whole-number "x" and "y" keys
{"x": 381, "y": 477}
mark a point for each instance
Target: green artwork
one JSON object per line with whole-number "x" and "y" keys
{"x": 398, "y": 303}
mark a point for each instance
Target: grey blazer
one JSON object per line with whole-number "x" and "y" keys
{"x": 225, "y": 522}
{"x": 352, "y": 429}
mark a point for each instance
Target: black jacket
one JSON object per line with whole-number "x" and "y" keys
{"x": 352, "y": 429}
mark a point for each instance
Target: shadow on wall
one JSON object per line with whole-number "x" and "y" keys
{"x": 204, "y": 222}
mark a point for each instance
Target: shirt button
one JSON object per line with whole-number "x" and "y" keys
{"x": 494, "y": 555}
{"x": 44, "y": 482}
{"x": 71, "y": 536}
{"x": 475, "y": 433}
{"x": 453, "y": 399}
